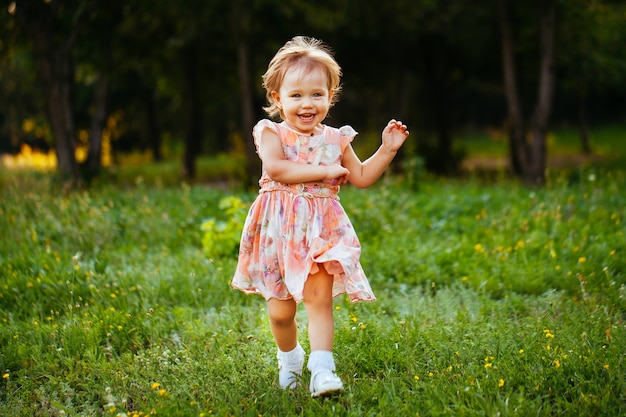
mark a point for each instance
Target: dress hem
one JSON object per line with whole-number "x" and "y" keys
{"x": 256, "y": 291}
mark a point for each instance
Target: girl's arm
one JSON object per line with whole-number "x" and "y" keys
{"x": 364, "y": 174}
{"x": 290, "y": 172}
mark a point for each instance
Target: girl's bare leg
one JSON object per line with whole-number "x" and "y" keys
{"x": 283, "y": 323}
{"x": 318, "y": 303}
{"x": 290, "y": 354}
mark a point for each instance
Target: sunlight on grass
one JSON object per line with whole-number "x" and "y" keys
{"x": 28, "y": 158}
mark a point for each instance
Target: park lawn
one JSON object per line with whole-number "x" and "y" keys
{"x": 493, "y": 299}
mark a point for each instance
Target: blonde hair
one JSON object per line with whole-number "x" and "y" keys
{"x": 309, "y": 54}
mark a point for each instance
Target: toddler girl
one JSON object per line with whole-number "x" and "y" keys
{"x": 298, "y": 243}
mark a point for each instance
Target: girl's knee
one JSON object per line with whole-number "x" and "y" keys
{"x": 282, "y": 313}
{"x": 282, "y": 319}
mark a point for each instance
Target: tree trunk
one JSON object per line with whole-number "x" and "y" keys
{"x": 252, "y": 160}
{"x": 535, "y": 171}
{"x": 517, "y": 135}
{"x": 52, "y": 50}
{"x": 528, "y": 156}
{"x": 55, "y": 70}
{"x": 193, "y": 129}
{"x": 240, "y": 20}
{"x": 98, "y": 121}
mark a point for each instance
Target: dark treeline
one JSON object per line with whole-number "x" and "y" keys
{"x": 160, "y": 75}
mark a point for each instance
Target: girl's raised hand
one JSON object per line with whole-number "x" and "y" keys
{"x": 394, "y": 135}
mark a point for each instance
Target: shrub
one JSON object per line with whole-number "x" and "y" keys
{"x": 221, "y": 236}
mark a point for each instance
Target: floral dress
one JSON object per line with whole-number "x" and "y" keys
{"x": 292, "y": 228}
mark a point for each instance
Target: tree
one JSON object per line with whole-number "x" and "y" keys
{"x": 528, "y": 139}
{"x": 195, "y": 44}
{"x": 417, "y": 66}
{"x": 20, "y": 92}
{"x": 591, "y": 59}
{"x": 96, "y": 64}
{"x": 52, "y": 28}
{"x": 241, "y": 22}
{"x": 187, "y": 74}
{"x": 141, "y": 85}
{"x": 98, "y": 122}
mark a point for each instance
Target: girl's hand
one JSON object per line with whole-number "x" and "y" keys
{"x": 338, "y": 173}
{"x": 394, "y": 135}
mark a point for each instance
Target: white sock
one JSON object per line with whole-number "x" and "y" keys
{"x": 321, "y": 359}
{"x": 293, "y": 357}
{"x": 290, "y": 365}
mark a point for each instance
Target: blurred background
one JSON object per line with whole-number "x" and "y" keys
{"x": 90, "y": 85}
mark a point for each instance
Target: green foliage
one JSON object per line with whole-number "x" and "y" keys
{"x": 452, "y": 78}
{"x": 493, "y": 299}
{"x": 221, "y": 237}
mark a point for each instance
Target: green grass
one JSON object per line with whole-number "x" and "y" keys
{"x": 493, "y": 299}
{"x": 137, "y": 169}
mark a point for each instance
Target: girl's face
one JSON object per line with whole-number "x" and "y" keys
{"x": 304, "y": 99}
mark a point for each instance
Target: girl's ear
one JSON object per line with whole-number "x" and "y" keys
{"x": 331, "y": 93}
{"x": 276, "y": 98}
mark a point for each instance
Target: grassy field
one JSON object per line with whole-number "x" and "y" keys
{"x": 493, "y": 299}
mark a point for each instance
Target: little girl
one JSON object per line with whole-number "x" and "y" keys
{"x": 298, "y": 243}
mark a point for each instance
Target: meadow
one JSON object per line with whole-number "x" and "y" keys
{"x": 494, "y": 299}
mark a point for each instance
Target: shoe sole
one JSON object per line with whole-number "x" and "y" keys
{"x": 329, "y": 391}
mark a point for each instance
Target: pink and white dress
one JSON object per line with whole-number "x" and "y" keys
{"x": 292, "y": 228}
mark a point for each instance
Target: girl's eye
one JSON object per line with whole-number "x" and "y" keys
{"x": 296, "y": 95}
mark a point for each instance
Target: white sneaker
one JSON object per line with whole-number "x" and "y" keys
{"x": 290, "y": 367}
{"x": 324, "y": 381}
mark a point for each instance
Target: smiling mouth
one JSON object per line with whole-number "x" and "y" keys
{"x": 306, "y": 117}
